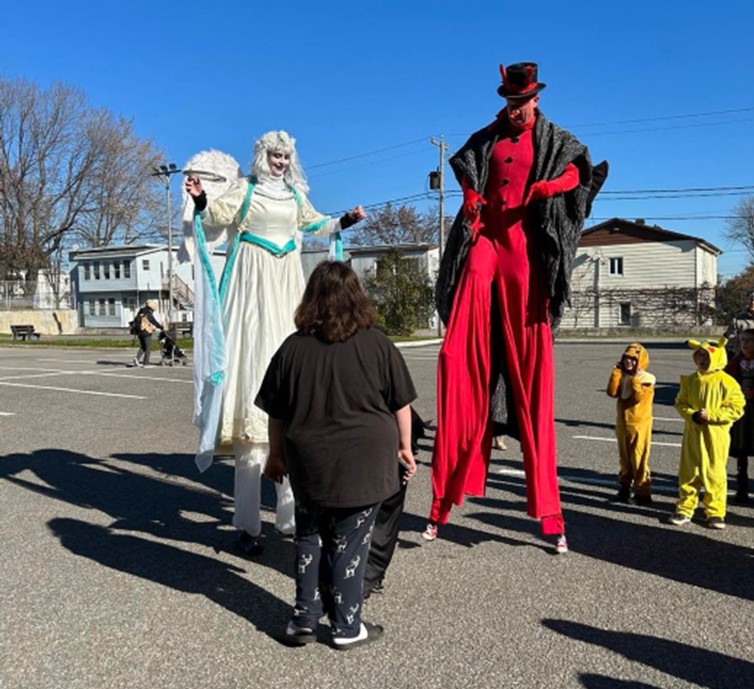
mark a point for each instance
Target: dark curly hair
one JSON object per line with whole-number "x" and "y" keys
{"x": 334, "y": 306}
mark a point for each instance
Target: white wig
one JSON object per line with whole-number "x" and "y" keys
{"x": 284, "y": 142}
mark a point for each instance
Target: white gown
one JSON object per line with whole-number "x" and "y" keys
{"x": 260, "y": 292}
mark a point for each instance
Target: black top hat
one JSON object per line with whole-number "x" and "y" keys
{"x": 520, "y": 81}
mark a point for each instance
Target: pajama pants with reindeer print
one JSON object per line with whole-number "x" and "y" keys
{"x": 332, "y": 548}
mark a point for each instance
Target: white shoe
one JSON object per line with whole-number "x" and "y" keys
{"x": 561, "y": 544}
{"x": 430, "y": 533}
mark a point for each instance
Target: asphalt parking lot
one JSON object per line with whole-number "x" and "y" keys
{"x": 118, "y": 569}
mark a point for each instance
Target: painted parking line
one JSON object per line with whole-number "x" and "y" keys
{"x": 7, "y": 413}
{"x": 69, "y": 361}
{"x": 73, "y": 390}
{"x": 677, "y": 419}
{"x": 609, "y": 482}
{"x": 613, "y": 440}
{"x": 51, "y": 372}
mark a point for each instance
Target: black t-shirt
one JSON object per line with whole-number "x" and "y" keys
{"x": 336, "y": 402}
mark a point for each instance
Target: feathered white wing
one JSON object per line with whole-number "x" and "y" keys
{"x": 218, "y": 172}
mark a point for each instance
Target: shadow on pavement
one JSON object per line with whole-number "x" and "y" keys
{"x": 692, "y": 664}
{"x": 691, "y": 554}
{"x": 154, "y": 503}
{"x": 223, "y": 583}
{"x": 603, "y": 682}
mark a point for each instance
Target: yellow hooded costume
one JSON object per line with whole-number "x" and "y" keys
{"x": 633, "y": 426}
{"x": 704, "y": 452}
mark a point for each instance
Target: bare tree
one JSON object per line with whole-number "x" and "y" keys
{"x": 740, "y": 227}
{"x": 401, "y": 225}
{"x": 128, "y": 205}
{"x": 61, "y": 164}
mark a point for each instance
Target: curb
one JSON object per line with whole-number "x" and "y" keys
{"x": 419, "y": 343}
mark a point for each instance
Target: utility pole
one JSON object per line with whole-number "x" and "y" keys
{"x": 167, "y": 172}
{"x": 437, "y": 181}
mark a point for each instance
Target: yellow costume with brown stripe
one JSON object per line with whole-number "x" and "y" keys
{"x": 634, "y": 392}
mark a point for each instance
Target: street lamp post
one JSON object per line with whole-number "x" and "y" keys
{"x": 437, "y": 183}
{"x": 167, "y": 172}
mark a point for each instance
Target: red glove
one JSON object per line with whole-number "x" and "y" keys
{"x": 471, "y": 202}
{"x": 545, "y": 189}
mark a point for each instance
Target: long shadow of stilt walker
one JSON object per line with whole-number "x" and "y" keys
{"x": 224, "y": 584}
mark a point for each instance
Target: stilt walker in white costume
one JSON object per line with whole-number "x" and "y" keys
{"x": 241, "y": 321}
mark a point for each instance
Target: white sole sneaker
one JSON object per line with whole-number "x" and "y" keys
{"x": 430, "y": 533}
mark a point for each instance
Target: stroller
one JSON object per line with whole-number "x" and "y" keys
{"x": 170, "y": 351}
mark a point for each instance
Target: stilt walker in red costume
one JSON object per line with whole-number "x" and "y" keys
{"x": 504, "y": 279}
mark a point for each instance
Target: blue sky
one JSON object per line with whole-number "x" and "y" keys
{"x": 643, "y": 84}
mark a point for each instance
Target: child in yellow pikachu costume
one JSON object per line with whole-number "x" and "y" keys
{"x": 634, "y": 389}
{"x": 710, "y": 400}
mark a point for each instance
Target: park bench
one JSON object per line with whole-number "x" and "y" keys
{"x": 186, "y": 329}
{"x": 24, "y": 332}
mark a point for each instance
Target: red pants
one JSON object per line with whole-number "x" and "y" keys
{"x": 503, "y": 256}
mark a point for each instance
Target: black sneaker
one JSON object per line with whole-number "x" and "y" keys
{"x": 296, "y": 636}
{"x": 678, "y": 519}
{"x": 623, "y": 494}
{"x": 643, "y": 499}
{"x": 377, "y": 589}
{"x": 248, "y": 545}
{"x": 716, "y": 523}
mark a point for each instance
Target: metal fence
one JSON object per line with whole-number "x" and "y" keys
{"x": 20, "y": 294}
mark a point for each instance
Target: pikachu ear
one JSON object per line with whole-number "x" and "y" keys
{"x": 722, "y": 341}
{"x": 694, "y": 344}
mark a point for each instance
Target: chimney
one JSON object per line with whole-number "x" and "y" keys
{"x": 640, "y": 221}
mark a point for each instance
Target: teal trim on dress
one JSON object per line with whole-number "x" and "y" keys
{"x": 216, "y": 378}
{"x": 336, "y": 246}
{"x": 225, "y": 279}
{"x": 274, "y": 249}
{"x": 201, "y": 243}
{"x": 314, "y": 226}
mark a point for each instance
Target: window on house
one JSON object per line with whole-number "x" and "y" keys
{"x": 92, "y": 307}
{"x": 111, "y": 306}
{"x": 116, "y": 270}
{"x": 625, "y": 313}
{"x": 103, "y": 307}
{"x": 87, "y": 272}
{"x": 95, "y": 268}
{"x": 106, "y": 271}
{"x": 126, "y": 269}
{"x": 616, "y": 266}
{"x": 145, "y": 264}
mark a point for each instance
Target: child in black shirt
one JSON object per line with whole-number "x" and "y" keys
{"x": 337, "y": 393}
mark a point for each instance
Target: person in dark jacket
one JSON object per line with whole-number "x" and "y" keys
{"x": 146, "y": 326}
{"x": 504, "y": 279}
{"x": 337, "y": 394}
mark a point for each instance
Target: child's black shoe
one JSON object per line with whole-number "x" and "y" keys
{"x": 643, "y": 500}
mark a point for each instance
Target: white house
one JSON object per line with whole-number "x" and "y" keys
{"x": 364, "y": 259}
{"x": 630, "y": 274}
{"x": 112, "y": 282}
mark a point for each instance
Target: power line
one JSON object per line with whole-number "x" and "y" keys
{"x": 678, "y": 191}
{"x": 401, "y": 199}
{"x": 666, "y": 117}
{"x": 660, "y": 129}
{"x": 368, "y": 153}
{"x": 593, "y": 124}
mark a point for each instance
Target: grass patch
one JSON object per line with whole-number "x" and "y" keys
{"x": 98, "y": 343}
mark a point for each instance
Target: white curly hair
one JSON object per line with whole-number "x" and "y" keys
{"x": 278, "y": 141}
